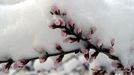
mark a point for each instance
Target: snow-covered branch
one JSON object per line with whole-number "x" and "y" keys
{"x": 73, "y": 33}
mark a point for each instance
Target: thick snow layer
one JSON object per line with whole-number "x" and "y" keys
{"x": 24, "y": 26}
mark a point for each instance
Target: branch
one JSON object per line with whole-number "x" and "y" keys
{"x": 48, "y": 55}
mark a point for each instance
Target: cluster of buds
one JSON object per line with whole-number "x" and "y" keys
{"x": 118, "y": 66}
{"x": 58, "y": 23}
{"x": 56, "y": 11}
{"x": 7, "y": 66}
{"x": 68, "y": 27}
{"x": 129, "y": 71}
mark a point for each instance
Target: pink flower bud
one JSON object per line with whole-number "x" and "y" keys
{"x": 93, "y": 29}
{"x": 19, "y": 64}
{"x": 42, "y": 59}
{"x": 51, "y": 26}
{"x": 98, "y": 43}
{"x": 86, "y": 56}
{"x": 70, "y": 40}
{"x": 63, "y": 34}
{"x": 54, "y": 8}
{"x": 71, "y": 23}
{"x": 58, "y": 47}
{"x": 111, "y": 50}
{"x": 85, "y": 51}
{"x": 58, "y": 60}
{"x": 63, "y": 23}
{"x": 79, "y": 30}
{"x": 57, "y": 22}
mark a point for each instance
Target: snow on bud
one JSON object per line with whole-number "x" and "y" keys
{"x": 63, "y": 34}
{"x": 42, "y": 59}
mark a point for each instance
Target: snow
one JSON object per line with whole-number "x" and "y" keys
{"x": 10, "y": 1}
{"x": 48, "y": 65}
{"x": 24, "y": 26}
{"x": 71, "y": 65}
